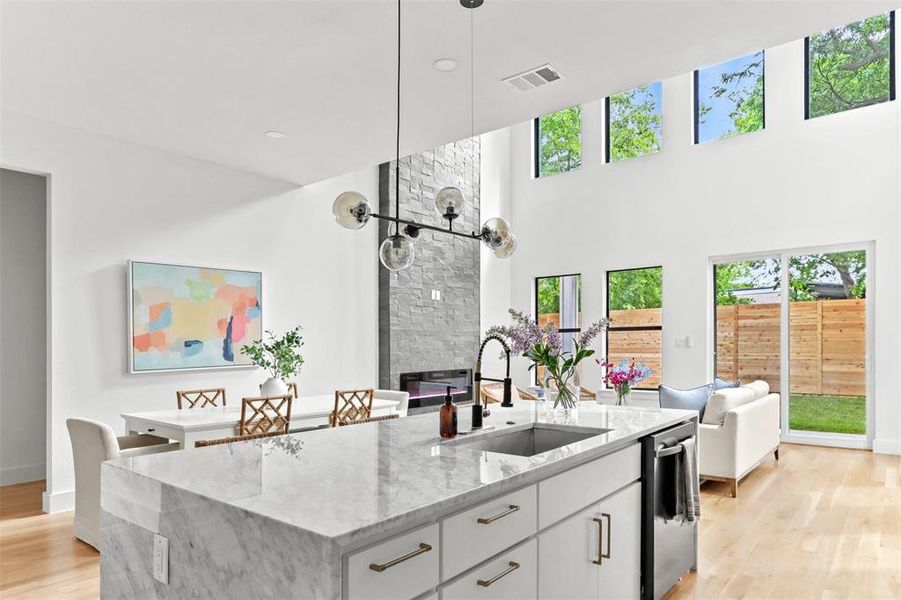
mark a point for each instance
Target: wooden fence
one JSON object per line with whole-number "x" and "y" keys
{"x": 827, "y": 344}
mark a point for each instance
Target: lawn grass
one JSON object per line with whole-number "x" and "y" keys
{"x": 831, "y": 414}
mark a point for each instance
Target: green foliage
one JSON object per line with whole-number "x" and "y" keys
{"x": 748, "y": 112}
{"x": 548, "y": 295}
{"x": 560, "y": 141}
{"x": 731, "y": 276}
{"x": 850, "y": 268}
{"x": 280, "y": 356}
{"x": 635, "y": 126}
{"x": 850, "y": 66}
{"x": 636, "y": 288}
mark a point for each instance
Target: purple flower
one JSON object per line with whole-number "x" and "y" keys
{"x": 552, "y": 336}
{"x": 592, "y": 332}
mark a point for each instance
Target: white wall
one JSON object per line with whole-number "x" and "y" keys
{"x": 23, "y": 319}
{"x": 111, "y": 201}
{"x": 797, "y": 184}
{"x": 496, "y": 201}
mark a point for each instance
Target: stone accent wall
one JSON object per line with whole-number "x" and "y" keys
{"x": 417, "y": 333}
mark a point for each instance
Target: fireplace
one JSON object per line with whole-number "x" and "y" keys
{"x": 428, "y": 388}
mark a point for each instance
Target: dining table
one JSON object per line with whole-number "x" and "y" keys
{"x": 187, "y": 425}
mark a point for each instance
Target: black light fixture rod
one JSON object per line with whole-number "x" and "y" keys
{"x": 399, "y": 222}
{"x": 397, "y": 139}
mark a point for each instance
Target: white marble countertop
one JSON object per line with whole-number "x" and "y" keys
{"x": 352, "y": 484}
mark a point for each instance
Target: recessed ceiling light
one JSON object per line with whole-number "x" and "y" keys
{"x": 445, "y": 64}
{"x": 275, "y": 135}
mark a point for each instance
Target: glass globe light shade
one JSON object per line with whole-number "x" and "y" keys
{"x": 449, "y": 202}
{"x": 495, "y": 232}
{"x": 351, "y": 210}
{"x": 396, "y": 253}
{"x": 506, "y": 249}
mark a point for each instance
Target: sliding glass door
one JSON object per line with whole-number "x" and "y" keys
{"x": 798, "y": 320}
{"x": 828, "y": 342}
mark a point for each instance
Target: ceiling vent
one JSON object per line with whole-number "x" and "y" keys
{"x": 534, "y": 78}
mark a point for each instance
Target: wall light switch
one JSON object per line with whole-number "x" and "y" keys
{"x": 161, "y": 558}
{"x": 688, "y": 342}
{"x": 436, "y": 294}
{"x": 680, "y": 342}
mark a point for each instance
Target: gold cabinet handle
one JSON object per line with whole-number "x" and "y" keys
{"x": 513, "y": 566}
{"x": 601, "y": 554}
{"x": 423, "y": 548}
{"x": 489, "y": 520}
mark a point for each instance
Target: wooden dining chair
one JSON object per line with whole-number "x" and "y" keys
{"x": 236, "y": 438}
{"x": 352, "y": 405}
{"x": 370, "y": 420}
{"x": 265, "y": 415}
{"x": 292, "y": 387}
{"x": 494, "y": 392}
{"x": 200, "y": 398}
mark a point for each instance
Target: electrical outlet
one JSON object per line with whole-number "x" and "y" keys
{"x": 684, "y": 342}
{"x": 161, "y": 558}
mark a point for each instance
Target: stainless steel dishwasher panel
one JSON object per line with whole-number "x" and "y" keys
{"x": 669, "y": 546}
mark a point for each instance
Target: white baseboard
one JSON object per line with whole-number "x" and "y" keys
{"x": 59, "y": 501}
{"x": 887, "y": 446}
{"x": 13, "y": 475}
{"x": 853, "y": 442}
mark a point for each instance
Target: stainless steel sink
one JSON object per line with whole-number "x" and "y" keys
{"x": 538, "y": 438}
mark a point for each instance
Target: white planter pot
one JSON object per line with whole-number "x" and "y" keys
{"x": 274, "y": 387}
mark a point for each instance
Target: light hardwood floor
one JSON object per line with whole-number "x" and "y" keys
{"x": 820, "y": 523}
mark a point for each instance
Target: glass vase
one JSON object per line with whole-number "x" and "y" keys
{"x": 623, "y": 394}
{"x": 566, "y": 402}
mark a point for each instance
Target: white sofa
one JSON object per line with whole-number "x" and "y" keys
{"x": 748, "y": 435}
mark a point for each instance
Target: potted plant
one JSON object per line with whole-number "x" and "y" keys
{"x": 623, "y": 377}
{"x": 280, "y": 356}
{"x": 543, "y": 346}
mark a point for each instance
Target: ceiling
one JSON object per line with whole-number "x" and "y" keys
{"x": 207, "y": 78}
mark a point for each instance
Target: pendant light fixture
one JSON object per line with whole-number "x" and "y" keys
{"x": 352, "y": 210}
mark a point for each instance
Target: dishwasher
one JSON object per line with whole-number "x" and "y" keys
{"x": 669, "y": 545}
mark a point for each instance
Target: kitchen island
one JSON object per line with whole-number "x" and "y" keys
{"x": 389, "y": 510}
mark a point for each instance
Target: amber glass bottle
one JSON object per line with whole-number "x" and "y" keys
{"x": 448, "y": 418}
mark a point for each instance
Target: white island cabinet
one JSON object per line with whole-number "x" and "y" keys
{"x": 501, "y": 553}
{"x": 528, "y": 508}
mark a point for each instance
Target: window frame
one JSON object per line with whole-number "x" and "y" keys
{"x": 633, "y": 327}
{"x": 563, "y": 329}
{"x": 891, "y": 70}
{"x": 696, "y": 104}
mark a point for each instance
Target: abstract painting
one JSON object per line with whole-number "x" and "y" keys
{"x": 192, "y": 317}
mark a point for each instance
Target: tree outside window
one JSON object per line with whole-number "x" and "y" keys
{"x": 558, "y": 141}
{"x": 635, "y": 122}
{"x": 850, "y": 67}
{"x": 729, "y": 98}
